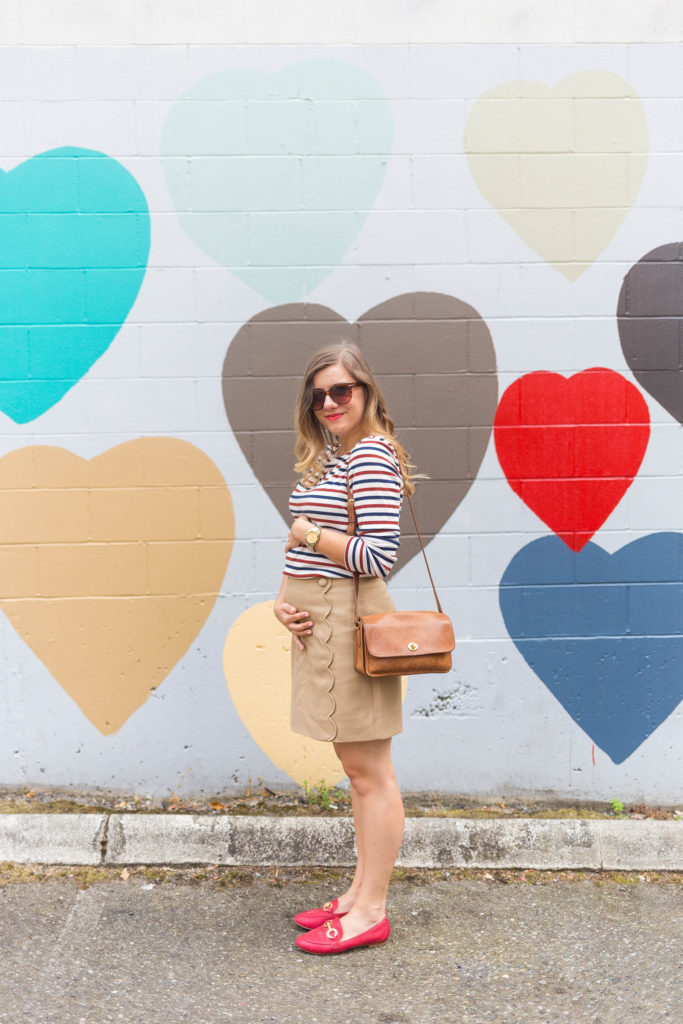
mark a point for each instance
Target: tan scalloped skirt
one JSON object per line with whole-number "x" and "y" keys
{"x": 330, "y": 700}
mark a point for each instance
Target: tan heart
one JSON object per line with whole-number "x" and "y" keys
{"x": 256, "y": 665}
{"x": 109, "y": 567}
{"x": 561, "y": 164}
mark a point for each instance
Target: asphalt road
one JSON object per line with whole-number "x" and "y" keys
{"x": 461, "y": 952}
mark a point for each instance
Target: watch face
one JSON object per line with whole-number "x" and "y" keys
{"x": 312, "y": 537}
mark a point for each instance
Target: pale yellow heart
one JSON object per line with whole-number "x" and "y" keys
{"x": 561, "y": 164}
{"x": 256, "y": 661}
{"x": 109, "y": 567}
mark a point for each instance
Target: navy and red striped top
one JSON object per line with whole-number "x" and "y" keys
{"x": 376, "y": 484}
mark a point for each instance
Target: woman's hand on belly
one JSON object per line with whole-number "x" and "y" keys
{"x": 297, "y": 622}
{"x": 297, "y": 533}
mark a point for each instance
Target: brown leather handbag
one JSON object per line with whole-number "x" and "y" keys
{"x": 400, "y": 643}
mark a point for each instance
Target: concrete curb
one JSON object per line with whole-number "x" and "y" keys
{"x": 53, "y": 838}
{"x": 542, "y": 843}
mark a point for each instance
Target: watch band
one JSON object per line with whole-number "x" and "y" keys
{"x": 313, "y": 530}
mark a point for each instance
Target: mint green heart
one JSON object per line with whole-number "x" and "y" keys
{"x": 273, "y": 175}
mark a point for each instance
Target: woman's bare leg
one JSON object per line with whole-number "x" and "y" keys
{"x": 378, "y": 817}
{"x": 348, "y": 898}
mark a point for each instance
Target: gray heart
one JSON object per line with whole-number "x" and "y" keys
{"x": 650, "y": 319}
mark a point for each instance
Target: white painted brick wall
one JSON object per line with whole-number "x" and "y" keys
{"x": 106, "y": 77}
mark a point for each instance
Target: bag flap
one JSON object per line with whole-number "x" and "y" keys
{"x": 401, "y": 634}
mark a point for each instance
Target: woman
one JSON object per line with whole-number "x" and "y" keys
{"x": 346, "y": 436}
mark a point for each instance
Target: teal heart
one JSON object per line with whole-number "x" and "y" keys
{"x": 74, "y": 242}
{"x": 273, "y": 175}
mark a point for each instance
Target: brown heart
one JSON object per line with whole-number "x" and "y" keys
{"x": 111, "y": 566}
{"x": 435, "y": 364}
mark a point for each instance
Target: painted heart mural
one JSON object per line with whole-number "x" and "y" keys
{"x": 650, "y": 318}
{"x": 273, "y": 175}
{"x": 603, "y": 632}
{"x": 111, "y": 566}
{"x": 256, "y": 663}
{"x": 435, "y": 363}
{"x": 562, "y": 164}
{"x": 74, "y": 243}
{"x": 570, "y": 448}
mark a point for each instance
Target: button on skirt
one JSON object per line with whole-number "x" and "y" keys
{"x": 330, "y": 700}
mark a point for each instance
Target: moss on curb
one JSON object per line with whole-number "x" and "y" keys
{"x": 289, "y": 804}
{"x": 233, "y": 877}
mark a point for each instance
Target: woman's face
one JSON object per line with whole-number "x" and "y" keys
{"x": 346, "y": 421}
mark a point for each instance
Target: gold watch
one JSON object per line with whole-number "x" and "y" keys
{"x": 312, "y": 536}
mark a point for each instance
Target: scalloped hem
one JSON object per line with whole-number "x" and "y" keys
{"x": 330, "y": 700}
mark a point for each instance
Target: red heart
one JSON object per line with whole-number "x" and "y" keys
{"x": 570, "y": 448}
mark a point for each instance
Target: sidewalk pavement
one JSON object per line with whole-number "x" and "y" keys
{"x": 435, "y": 842}
{"x": 132, "y": 951}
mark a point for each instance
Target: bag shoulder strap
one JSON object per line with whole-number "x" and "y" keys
{"x": 352, "y": 529}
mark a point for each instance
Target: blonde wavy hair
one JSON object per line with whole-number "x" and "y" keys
{"x": 313, "y": 438}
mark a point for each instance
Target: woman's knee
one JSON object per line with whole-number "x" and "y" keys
{"x": 368, "y": 766}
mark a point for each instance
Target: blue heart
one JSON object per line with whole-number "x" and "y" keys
{"x": 604, "y": 632}
{"x": 74, "y": 242}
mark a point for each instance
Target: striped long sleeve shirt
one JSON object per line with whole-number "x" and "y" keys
{"x": 376, "y": 484}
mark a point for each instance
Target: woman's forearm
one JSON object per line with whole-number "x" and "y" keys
{"x": 332, "y": 544}
{"x": 362, "y": 555}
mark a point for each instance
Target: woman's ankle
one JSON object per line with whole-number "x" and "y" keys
{"x": 359, "y": 919}
{"x": 345, "y": 902}
{"x": 348, "y": 898}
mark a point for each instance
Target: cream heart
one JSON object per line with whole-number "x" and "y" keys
{"x": 256, "y": 665}
{"x": 561, "y": 164}
{"x": 111, "y": 566}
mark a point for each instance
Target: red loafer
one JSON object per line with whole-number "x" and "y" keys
{"x": 314, "y": 918}
{"x": 328, "y": 937}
